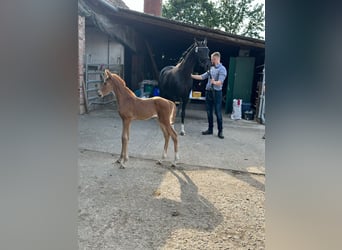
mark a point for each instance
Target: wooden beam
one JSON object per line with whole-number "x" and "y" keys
{"x": 195, "y": 30}
{"x": 155, "y": 68}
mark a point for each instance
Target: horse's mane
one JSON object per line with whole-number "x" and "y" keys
{"x": 181, "y": 59}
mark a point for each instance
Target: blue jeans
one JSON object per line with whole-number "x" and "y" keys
{"x": 213, "y": 100}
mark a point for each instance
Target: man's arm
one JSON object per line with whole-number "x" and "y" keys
{"x": 196, "y": 77}
{"x": 222, "y": 76}
{"x": 200, "y": 77}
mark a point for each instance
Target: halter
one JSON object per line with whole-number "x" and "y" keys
{"x": 200, "y": 60}
{"x": 196, "y": 49}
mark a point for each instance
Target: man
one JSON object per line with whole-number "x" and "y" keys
{"x": 213, "y": 93}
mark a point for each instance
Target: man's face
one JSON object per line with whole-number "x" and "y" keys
{"x": 215, "y": 60}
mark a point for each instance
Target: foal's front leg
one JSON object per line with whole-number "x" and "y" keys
{"x": 124, "y": 143}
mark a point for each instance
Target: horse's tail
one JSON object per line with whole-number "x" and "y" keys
{"x": 163, "y": 81}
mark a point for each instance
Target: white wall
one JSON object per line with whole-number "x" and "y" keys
{"x": 96, "y": 48}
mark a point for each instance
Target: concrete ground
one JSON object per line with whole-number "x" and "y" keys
{"x": 201, "y": 204}
{"x": 242, "y": 149}
{"x": 148, "y": 206}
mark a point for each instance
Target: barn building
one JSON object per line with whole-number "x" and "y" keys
{"x": 138, "y": 45}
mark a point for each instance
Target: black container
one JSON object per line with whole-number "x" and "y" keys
{"x": 248, "y": 115}
{"x": 245, "y": 106}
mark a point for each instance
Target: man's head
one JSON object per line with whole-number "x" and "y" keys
{"x": 215, "y": 58}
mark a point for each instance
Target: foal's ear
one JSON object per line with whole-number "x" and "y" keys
{"x": 107, "y": 74}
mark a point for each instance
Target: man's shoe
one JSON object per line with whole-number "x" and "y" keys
{"x": 220, "y": 135}
{"x": 207, "y": 132}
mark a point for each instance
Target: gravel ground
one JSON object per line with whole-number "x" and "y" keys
{"x": 149, "y": 206}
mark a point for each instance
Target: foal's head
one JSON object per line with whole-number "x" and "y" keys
{"x": 107, "y": 86}
{"x": 110, "y": 79}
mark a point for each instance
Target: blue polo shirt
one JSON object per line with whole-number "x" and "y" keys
{"x": 218, "y": 73}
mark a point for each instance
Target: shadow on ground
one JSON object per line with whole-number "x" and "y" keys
{"x": 146, "y": 206}
{"x": 127, "y": 209}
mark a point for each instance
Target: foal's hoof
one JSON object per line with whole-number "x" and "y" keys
{"x": 159, "y": 162}
{"x": 122, "y": 165}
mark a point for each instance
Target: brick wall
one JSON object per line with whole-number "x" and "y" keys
{"x": 153, "y": 7}
{"x": 81, "y": 52}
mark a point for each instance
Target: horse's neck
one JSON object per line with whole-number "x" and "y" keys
{"x": 188, "y": 64}
{"x": 121, "y": 91}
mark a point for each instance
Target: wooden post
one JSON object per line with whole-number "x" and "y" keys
{"x": 155, "y": 68}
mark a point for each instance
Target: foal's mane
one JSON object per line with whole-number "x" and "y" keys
{"x": 117, "y": 78}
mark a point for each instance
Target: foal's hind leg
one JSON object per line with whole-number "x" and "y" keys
{"x": 174, "y": 137}
{"x": 166, "y": 143}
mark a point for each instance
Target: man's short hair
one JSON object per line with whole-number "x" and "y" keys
{"x": 216, "y": 54}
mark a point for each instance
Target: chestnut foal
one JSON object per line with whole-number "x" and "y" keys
{"x": 131, "y": 108}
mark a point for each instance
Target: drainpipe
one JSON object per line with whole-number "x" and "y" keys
{"x": 261, "y": 111}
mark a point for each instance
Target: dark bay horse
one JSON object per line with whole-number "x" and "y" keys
{"x": 175, "y": 82}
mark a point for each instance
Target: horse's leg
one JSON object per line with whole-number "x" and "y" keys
{"x": 184, "y": 102}
{"x": 124, "y": 141}
{"x": 173, "y": 135}
{"x": 173, "y": 132}
{"x": 170, "y": 131}
{"x": 166, "y": 141}
{"x": 178, "y": 109}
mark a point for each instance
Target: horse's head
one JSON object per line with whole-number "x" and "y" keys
{"x": 202, "y": 52}
{"x": 106, "y": 88}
